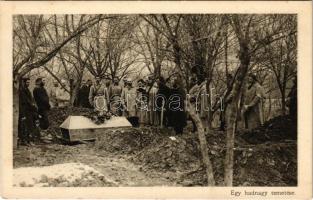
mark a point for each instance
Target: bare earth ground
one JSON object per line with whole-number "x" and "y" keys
{"x": 149, "y": 156}
{"x": 116, "y": 168}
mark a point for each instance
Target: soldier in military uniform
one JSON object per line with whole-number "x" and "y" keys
{"x": 142, "y": 102}
{"x": 129, "y": 95}
{"x": 98, "y": 89}
{"x": 28, "y": 131}
{"x": 115, "y": 92}
{"x": 152, "y": 110}
{"x": 42, "y": 100}
{"x": 252, "y": 103}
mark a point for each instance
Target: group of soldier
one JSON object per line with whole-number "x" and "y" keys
{"x": 151, "y": 101}
{"x": 33, "y": 111}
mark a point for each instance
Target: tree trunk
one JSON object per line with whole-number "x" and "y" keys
{"x": 177, "y": 56}
{"x": 203, "y": 145}
{"x": 226, "y": 60}
{"x": 233, "y": 111}
{"x": 230, "y": 141}
{"x": 74, "y": 95}
{"x": 197, "y": 120}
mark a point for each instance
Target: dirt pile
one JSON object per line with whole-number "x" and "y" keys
{"x": 58, "y": 115}
{"x": 272, "y": 164}
{"x": 128, "y": 140}
{"x": 156, "y": 149}
{"x": 182, "y": 154}
{"x": 277, "y": 129}
{"x": 56, "y": 118}
{"x": 266, "y": 165}
{"x": 171, "y": 153}
{"x": 266, "y": 156}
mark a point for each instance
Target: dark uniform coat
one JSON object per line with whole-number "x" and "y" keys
{"x": 42, "y": 100}
{"x": 176, "y": 115}
{"x": 83, "y": 96}
{"x": 27, "y": 115}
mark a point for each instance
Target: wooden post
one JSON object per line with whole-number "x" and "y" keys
{"x": 162, "y": 113}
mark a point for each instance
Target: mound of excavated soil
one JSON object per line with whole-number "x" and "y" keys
{"x": 125, "y": 140}
{"x": 159, "y": 151}
{"x": 267, "y": 164}
{"x": 277, "y": 129}
{"x": 266, "y": 156}
{"x": 171, "y": 154}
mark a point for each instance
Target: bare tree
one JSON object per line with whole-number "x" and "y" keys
{"x": 153, "y": 46}
{"x": 169, "y": 27}
{"x": 281, "y": 58}
{"x": 32, "y": 48}
{"x": 253, "y": 32}
{"x": 206, "y": 39}
{"x": 110, "y": 44}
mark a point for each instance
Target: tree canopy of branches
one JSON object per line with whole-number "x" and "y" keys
{"x": 220, "y": 49}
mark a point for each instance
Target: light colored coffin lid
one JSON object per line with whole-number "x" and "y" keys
{"x": 81, "y": 122}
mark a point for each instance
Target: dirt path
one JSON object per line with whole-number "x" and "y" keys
{"x": 115, "y": 167}
{"x": 126, "y": 173}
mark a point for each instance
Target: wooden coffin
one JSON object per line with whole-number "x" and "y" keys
{"x": 79, "y": 128}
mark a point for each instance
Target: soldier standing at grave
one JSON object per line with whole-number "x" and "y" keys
{"x": 115, "y": 92}
{"x": 129, "y": 94}
{"x": 27, "y": 115}
{"x": 125, "y": 79}
{"x": 99, "y": 90}
{"x": 152, "y": 112}
{"x": 142, "y": 102}
{"x": 252, "y": 103}
{"x": 163, "y": 95}
{"x": 83, "y": 95}
{"x": 177, "y": 115}
{"x": 42, "y": 100}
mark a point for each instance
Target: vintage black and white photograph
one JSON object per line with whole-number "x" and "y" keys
{"x": 127, "y": 100}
